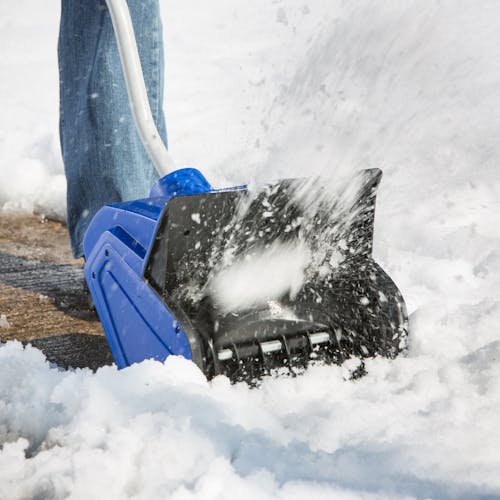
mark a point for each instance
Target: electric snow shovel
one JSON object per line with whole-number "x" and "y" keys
{"x": 244, "y": 284}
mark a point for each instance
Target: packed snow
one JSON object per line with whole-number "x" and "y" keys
{"x": 257, "y": 91}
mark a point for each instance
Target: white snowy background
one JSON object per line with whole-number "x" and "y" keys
{"x": 255, "y": 91}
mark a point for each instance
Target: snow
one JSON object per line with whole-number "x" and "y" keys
{"x": 261, "y": 90}
{"x": 4, "y": 322}
{"x": 411, "y": 428}
{"x": 260, "y": 277}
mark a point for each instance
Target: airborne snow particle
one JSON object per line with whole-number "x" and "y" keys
{"x": 281, "y": 16}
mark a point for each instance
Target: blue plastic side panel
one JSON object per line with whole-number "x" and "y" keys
{"x": 137, "y": 323}
{"x": 131, "y": 216}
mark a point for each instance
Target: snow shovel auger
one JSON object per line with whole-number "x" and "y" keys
{"x": 151, "y": 264}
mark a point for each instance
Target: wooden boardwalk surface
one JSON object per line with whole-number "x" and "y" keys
{"x": 42, "y": 294}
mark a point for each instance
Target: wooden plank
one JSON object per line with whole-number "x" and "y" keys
{"x": 41, "y": 286}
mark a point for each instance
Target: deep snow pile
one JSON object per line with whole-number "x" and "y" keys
{"x": 258, "y": 90}
{"x": 413, "y": 427}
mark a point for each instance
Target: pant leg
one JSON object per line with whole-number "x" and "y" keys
{"x": 104, "y": 159}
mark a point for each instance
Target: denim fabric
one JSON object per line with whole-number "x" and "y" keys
{"x": 104, "y": 159}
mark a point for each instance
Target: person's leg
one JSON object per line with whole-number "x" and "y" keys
{"x": 103, "y": 157}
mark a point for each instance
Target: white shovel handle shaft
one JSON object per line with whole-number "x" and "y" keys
{"x": 136, "y": 87}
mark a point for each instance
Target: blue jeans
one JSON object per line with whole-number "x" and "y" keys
{"x": 104, "y": 159}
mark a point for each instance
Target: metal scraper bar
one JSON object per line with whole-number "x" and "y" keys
{"x": 225, "y": 354}
{"x": 319, "y": 338}
{"x": 266, "y": 348}
{"x": 276, "y": 345}
{"x": 270, "y": 346}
